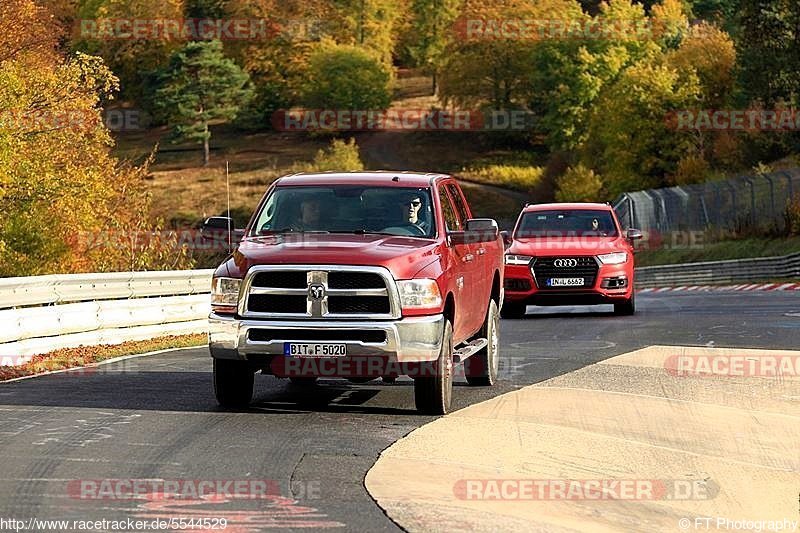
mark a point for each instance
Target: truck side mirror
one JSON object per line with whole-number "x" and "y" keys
{"x": 476, "y": 230}
{"x": 507, "y": 240}
{"x": 216, "y": 229}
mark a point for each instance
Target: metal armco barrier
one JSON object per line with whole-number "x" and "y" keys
{"x": 713, "y": 272}
{"x": 39, "y": 314}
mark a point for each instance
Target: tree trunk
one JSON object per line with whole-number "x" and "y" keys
{"x": 206, "y": 148}
{"x": 434, "y": 85}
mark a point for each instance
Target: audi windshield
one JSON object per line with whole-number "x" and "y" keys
{"x": 573, "y": 223}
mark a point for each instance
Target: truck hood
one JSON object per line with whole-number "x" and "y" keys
{"x": 549, "y": 247}
{"x": 403, "y": 256}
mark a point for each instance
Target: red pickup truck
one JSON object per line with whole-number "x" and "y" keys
{"x": 359, "y": 275}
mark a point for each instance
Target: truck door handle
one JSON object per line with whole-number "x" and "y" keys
{"x": 468, "y": 258}
{"x": 481, "y": 251}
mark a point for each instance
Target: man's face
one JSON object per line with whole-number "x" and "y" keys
{"x": 309, "y": 211}
{"x": 411, "y": 209}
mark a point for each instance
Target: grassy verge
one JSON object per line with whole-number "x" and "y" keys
{"x": 85, "y": 355}
{"x": 719, "y": 251}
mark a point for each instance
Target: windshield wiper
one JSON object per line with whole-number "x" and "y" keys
{"x": 366, "y": 232}
{"x": 284, "y": 231}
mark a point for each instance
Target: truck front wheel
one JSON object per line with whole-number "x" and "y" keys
{"x": 233, "y": 383}
{"x": 432, "y": 394}
{"x": 482, "y": 368}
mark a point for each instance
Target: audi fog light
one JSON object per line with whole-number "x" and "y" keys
{"x": 518, "y": 259}
{"x": 613, "y": 258}
{"x": 225, "y": 294}
{"x": 419, "y": 294}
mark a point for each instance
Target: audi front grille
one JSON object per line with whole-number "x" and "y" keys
{"x": 585, "y": 267}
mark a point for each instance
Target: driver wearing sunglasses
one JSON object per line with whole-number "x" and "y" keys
{"x": 411, "y": 208}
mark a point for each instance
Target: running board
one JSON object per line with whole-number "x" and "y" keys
{"x": 465, "y": 351}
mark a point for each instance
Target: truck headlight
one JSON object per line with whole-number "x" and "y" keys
{"x": 518, "y": 259}
{"x": 419, "y": 294}
{"x": 225, "y": 294}
{"x": 613, "y": 258}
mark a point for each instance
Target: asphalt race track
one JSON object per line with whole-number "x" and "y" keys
{"x": 155, "y": 418}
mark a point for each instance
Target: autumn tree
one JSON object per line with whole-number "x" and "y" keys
{"x": 65, "y": 202}
{"x": 630, "y": 140}
{"x": 201, "y": 86}
{"x": 132, "y": 60}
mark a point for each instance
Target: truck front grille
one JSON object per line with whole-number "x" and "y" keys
{"x": 358, "y": 305}
{"x": 545, "y": 268}
{"x": 320, "y": 292}
{"x": 277, "y": 303}
{"x": 355, "y": 280}
{"x": 281, "y": 279}
{"x": 373, "y": 336}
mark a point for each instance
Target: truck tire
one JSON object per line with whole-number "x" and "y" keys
{"x": 432, "y": 395}
{"x": 303, "y": 382}
{"x": 513, "y": 310}
{"x": 233, "y": 383}
{"x": 481, "y": 368}
{"x": 626, "y": 308}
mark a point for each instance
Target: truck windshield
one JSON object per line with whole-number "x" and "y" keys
{"x": 575, "y": 223}
{"x": 347, "y": 209}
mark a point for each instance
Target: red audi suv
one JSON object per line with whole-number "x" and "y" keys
{"x": 569, "y": 254}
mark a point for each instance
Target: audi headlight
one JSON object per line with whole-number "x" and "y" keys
{"x": 518, "y": 259}
{"x": 419, "y": 294}
{"x": 615, "y": 258}
{"x": 225, "y": 294}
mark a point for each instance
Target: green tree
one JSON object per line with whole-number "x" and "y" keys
{"x": 199, "y": 87}
{"x": 346, "y": 77}
{"x": 578, "y": 184}
{"x": 768, "y": 45}
{"x": 568, "y": 76}
{"x": 431, "y": 29}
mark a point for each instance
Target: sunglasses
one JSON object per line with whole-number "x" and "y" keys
{"x": 415, "y": 203}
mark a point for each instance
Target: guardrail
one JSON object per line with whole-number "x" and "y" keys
{"x": 44, "y": 313}
{"x": 713, "y": 272}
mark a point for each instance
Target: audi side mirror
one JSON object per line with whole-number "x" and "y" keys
{"x": 633, "y": 234}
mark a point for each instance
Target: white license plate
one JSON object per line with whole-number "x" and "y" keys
{"x": 292, "y": 349}
{"x": 565, "y": 282}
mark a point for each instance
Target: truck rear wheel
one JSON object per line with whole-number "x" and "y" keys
{"x": 432, "y": 395}
{"x": 481, "y": 369}
{"x": 233, "y": 382}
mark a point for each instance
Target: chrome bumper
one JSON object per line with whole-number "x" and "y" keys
{"x": 410, "y": 339}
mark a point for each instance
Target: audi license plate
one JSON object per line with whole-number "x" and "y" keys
{"x": 292, "y": 349}
{"x": 565, "y": 282}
